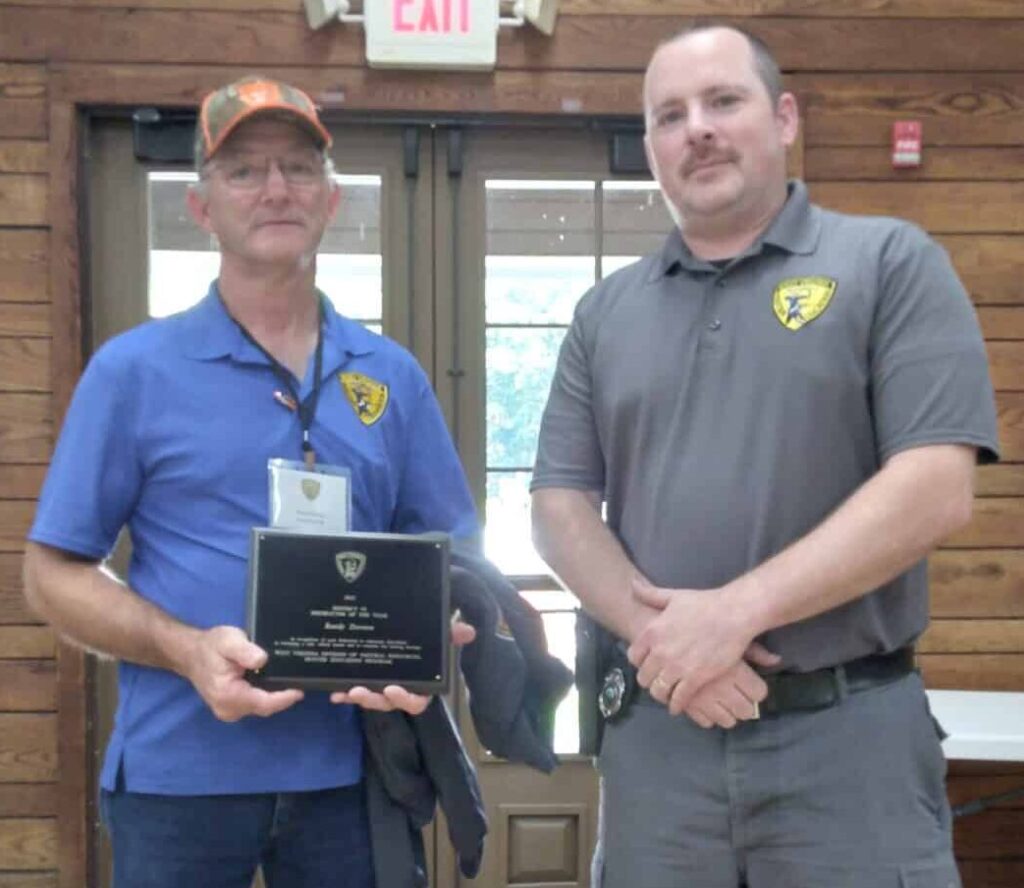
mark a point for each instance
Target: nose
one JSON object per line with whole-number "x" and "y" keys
{"x": 276, "y": 184}
{"x": 699, "y": 127}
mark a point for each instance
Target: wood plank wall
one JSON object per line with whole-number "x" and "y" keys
{"x": 856, "y": 65}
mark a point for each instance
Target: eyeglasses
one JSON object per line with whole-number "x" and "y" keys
{"x": 251, "y": 174}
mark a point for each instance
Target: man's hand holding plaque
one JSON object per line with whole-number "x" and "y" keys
{"x": 395, "y": 697}
{"x": 365, "y": 616}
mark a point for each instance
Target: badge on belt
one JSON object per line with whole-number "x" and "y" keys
{"x": 616, "y": 692}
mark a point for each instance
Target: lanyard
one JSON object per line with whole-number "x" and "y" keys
{"x": 306, "y": 409}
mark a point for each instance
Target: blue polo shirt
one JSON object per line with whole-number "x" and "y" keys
{"x": 169, "y": 433}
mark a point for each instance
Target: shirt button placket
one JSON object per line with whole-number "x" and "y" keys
{"x": 711, "y": 322}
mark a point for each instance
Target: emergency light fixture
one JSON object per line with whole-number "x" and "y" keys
{"x": 461, "y": 34}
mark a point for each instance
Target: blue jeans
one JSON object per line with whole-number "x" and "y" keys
{"x": 301, "y": 839}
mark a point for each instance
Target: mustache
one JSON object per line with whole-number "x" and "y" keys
{"x": 698, "y": 161}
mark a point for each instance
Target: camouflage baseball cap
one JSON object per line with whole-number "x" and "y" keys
{"x": 224, "y": 109}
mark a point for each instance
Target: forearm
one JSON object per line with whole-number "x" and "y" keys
{"x": 90, "y": 607}
{"x": 890, "y": 523}
{"x": 588, "y": 560}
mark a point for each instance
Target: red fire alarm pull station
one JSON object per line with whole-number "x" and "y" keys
{"x": 906, "y": 143}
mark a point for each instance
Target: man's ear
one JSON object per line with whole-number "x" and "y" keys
{"x": 333, "y": 200}
{"x": 196, "y": 201}
{"x": 788, "y": 115}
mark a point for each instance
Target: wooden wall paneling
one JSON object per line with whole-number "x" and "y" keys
{"x": 992, "y": 834}
{"x": 1002, "y": 322}
{"x": 992, "y": 873}
{"x": 28, "y": 880}
{"x": 877, "y": 44}
{"x": 998, "y": 522}
{"x": 22, "y": 99}
{"x": 26, "y": 436}
{"x": 939, "y": 162}
{"x": 1006, "y": 364}
{"x": 988, "y": 264}
{"x": 1002, "y": 479}
{"x": 21, "y": 156}
{"x": 64, "y": 255}
{"x": 126, "y": 34}
{"x": 988, "y": 583}
{"x": 973, "y": 672}
{"x": 28, "y": 686}
{"x": 996, "y": 207}
{"x": 886, "y": 8}
{"x": 1010, "y": 408}
{"x": 24, "y": 365}
{"x": 976, "y": 108}
{"x": 28, "y": 844}
{"x": 360, "y": 89}
{"x": 183, "y": 5}
{"x": 805, "y": 8}
{"x": 27, "y": 642}
{"x": 598, "y": 42}
{"x": 23, "y": 265}
{"x": 22, "y": 199}
{"x": 19, "y": 319}
{"x": 15, "y": 520}
{"x": 853, "y": 44}
{"x": 998, "y": 636}
{"x": 13, "y": 608}
{"x": 29, "y": 799}
{"x": 75, "y": 738}
{"x": 567, "y": 8}
{"x": 963, "y": 773}
{"x": 21, "y": 481}
{"x": 28, "y": 752}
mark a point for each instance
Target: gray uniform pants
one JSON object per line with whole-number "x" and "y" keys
{"x": 847, "y": 797}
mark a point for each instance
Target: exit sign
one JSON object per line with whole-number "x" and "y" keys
{"x": 431, "y": 33}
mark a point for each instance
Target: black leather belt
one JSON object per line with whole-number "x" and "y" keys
{"x": 822, "y": 688}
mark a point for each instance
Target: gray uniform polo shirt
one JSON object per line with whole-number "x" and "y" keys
{"x": 725, "y": 412}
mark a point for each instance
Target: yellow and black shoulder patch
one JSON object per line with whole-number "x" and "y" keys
{"x": 368, "y": 397}
{"x": 798, "y": 301}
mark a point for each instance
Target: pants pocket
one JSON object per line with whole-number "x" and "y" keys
{"x": 942, "y": 874}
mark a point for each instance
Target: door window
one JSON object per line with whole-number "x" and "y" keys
{"x": 548, "y": 241}
{"x": 183, "y": 258}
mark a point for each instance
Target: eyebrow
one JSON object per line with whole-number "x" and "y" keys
{"x": 673, "y": 101}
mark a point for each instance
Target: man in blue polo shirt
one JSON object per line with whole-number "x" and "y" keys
{"x": 753, "y": 438}
{"x": 169, "y": 433}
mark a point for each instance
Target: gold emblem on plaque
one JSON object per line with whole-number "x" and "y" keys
{"x": 350, "y": 565}
{"x": 798, "y": 301}
{"x": 310, "y": 488}
{"x": 368, "y": 397}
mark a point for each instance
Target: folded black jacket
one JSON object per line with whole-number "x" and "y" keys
{"x": 414, "y": 763}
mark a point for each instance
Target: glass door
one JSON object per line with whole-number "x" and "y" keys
{"x": 534, "y": 220}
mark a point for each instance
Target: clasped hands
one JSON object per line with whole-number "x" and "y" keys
{"x": 695, "y": 655}
{"x": 222, "y": 655}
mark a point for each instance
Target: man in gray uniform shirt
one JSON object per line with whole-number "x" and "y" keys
{"x": 781, "y": 412}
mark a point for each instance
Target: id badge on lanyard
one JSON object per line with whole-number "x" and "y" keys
{"x": 305, "y": 497}
{"x": 309, "y": 498}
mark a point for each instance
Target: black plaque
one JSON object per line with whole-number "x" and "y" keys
{"x": 336, "y": 611}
